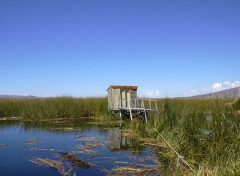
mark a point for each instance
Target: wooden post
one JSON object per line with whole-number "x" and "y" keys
{"x": 145, "y": 114}
{"x": 130, "y": 110}
{"x": 142, "y": 104}
{"x": 129, "y": 107}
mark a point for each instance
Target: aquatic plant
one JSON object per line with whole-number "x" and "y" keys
{"x": 54, "y": 108}
{"x": 203, "y": 132}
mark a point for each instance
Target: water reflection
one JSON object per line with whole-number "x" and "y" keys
{"x": 41, "y": 142}
{"x": 119, "y": 140}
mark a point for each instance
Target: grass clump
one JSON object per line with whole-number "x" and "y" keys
{"x": 200, "y": 136}
{"x": 54, "y": 108}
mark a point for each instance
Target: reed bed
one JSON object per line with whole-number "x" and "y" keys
{"x": 54, "y": 108}
{"x": 194, "y": 136}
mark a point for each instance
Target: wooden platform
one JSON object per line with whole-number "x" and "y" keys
{"x": 138, "y": 109}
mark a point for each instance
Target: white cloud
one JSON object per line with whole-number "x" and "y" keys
{"x": 236, "y": 84}
{"x": 149, "y": 93}
{"x": 225, "y": 85}
{"x": 217, "y": 86}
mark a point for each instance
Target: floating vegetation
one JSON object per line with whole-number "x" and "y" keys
{"x": 103, "y": 122}
{"x": 9, "y": 118}
{"x": 67, "y": 129}
{"x": 88, "y": 148}
{"x": 89, "y": 138}
{"x": 46, "y": 149}
{"x": 135, "y": 167}
{"x": 75, "y": 161}
{"x": 63, "y": 168}
{"x": 32, "y": 141}
{"x": 134, "y": 170}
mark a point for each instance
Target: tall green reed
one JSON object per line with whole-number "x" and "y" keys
{"x": 52, "y": 108}
{"x": 201, "y": 130}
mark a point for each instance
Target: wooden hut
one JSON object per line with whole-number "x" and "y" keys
{"x": 124, "y": 100}
{"x": 121, "y": 97}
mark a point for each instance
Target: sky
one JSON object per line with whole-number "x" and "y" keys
{"x": 169, "y": 48}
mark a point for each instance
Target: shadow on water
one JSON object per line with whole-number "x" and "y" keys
{"x": 71, "y": 148}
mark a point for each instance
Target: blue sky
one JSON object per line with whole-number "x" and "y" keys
{"x": 80, "y": 47}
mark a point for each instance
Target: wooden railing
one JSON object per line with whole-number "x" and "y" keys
{"x": 139, "y": 103}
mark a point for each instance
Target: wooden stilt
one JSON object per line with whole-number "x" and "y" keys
{"x": 145, "y": 114}
{"x": 136, "y": 110}
{"x": 130, "y": 110}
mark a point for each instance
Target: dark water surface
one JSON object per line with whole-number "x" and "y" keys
{"x": 22, "y": 146}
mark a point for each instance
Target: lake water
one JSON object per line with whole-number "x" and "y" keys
{"x": 34, "y": 149}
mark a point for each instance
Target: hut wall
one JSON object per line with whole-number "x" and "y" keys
{"x": 116, "y": 98}
{"x": 133, "y": 98}
{"x": 123, "y": 96}
{"x": 110, "y": 104}
{"x": 113, "y": 98}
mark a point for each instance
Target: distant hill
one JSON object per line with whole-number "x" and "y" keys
{"x": 17, "y": 97}
{"x": 228, "y": 93}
